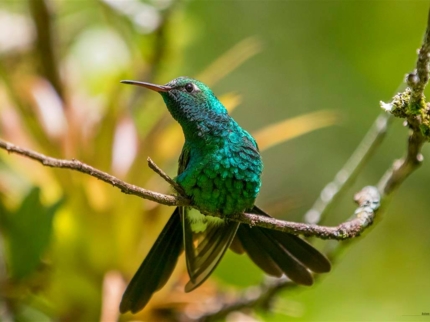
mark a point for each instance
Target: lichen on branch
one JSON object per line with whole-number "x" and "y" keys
{"x": 411, "y": 104}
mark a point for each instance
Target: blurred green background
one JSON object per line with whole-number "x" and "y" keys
{"x": 70, "y": 243}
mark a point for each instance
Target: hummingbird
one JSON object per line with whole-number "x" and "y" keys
{"x": 220, "y": 171}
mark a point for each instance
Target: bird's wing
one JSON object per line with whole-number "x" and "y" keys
{"x": 206, "y": 245}
{"x": 250, "y": 142}
{"x": 157, "y": 267}
{"x": 204, "y": 249}
{"x": 184, "y": 159}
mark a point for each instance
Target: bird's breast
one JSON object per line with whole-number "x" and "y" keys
{"x": 225, "y": 177}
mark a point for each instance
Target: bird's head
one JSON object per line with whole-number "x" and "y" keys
{"x": 187, "y": 99}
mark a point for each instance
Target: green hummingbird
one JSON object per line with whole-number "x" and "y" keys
{"x": 219, "y": 169}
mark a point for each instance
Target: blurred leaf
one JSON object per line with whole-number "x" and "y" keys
{"x": 230, "y": 60}
{"x": 277, "y": 133}
{"x": 29, "y": 233}
{"x": 3, "y": 213}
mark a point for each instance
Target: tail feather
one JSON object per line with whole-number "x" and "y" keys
{"x": 236, "y": 246}
{"x": 275, "y": 252}
{"x": 157, "y": 267}
{"x": 286, "y": 262}
{"x": 278, "y": 252}
{"x": 205, "y": 249}
{"x": 303, "y": 251}
{"x": 257, "y": 252}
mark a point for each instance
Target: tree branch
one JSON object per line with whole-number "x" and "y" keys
{"x": 418, "y": 79}
{"x": 76, "y": 165}
{"x": 250, "y": 298}
{"x": 411, "y": 106}
{"x": 402, "y": 168}
{"x": 166, "y": 177}
{"x": 368, "y": 200}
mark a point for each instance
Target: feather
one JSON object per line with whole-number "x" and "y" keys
{"x": 157, "y": 267}
{"x": 205, "y": 249}
{"x": 299, "y": 248}
{"x": 269, "y": 247}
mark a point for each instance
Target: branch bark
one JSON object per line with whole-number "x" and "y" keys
{"x": 411, "y": 106}
{"x": 127, "y": 188}
{"x": 368, "y": 200}
{"x": 418, "y": 79}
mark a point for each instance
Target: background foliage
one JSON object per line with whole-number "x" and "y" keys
{"x": 69, "y": 242}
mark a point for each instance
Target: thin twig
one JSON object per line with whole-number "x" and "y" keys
{"x": 349, "y": 229}
{"x": 416, "y": 117}
{"x": 250, "y": 298}
{"x": 76, "y": 165}
{"x": 402, "y": 168}
{"x": 418, "y": 79}
{"x": 368, "y": 200}
{"x": 166, "y": 177}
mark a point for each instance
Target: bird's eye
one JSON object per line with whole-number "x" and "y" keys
{"x": 189, "y": 87}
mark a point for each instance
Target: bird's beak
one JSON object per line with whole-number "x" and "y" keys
{"x": 157, "y": 88}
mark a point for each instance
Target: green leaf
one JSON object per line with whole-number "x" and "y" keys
{"x": 3, "y": 214}
{"x": 29, "y": 232}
